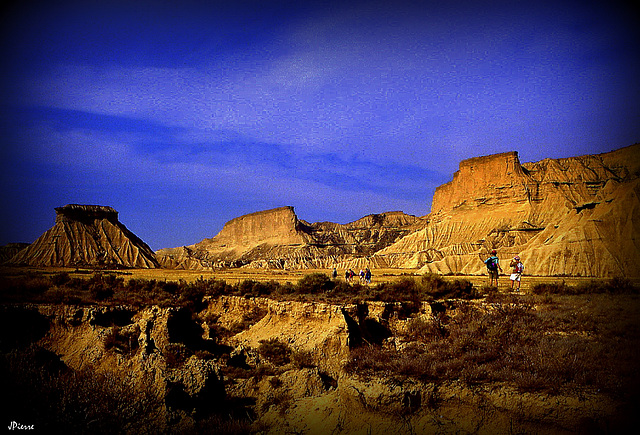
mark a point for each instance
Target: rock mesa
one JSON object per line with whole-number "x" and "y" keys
{"x": 87, "y": 235}
{"x": 576, "y": 216}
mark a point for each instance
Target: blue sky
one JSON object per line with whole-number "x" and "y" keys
{"x": 184, "y": 115}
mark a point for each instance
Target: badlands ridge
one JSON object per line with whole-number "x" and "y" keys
{"x": 575, "y": 216}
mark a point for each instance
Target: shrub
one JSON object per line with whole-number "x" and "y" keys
{"x": 302, "y": 359}
{"x": 617, "y": 285}
{"x": 192, "y": 298}
{"x": 550, "y": 288}
{"x": 249, "y": 319}
{"x": 57, "y": 399}
{"x": 425, "y": 330}
{"x": 252, "y": 288}
{"x": 406, "y": 289}
{"x": 176, "y": 354}
{"x": 510, "y": 342}
{"x": 315, "y": 283}
{"x": 277, "y": 352}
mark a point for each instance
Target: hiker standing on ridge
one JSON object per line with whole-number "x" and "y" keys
{"x": 493, "y": 265}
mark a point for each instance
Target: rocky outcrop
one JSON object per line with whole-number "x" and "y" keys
{"x": 575, "y": 216}
{"x": 87, "y": 235}
{"x": 170, "y": 358}
{"x": 484, "y": 181}
{"x": 278, "y": 239}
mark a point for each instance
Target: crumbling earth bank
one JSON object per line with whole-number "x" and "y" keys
{"x": 199, "y": 367}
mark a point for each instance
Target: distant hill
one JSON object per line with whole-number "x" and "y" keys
{"x": 87, "y": 235}
{"x": 277, "y": 238}
{"x": 576, "y": 216}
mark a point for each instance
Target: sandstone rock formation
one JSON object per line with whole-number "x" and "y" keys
{"x": 87, "y": 235}
{"x": 172, "y": 372}
{"x": 277, "y": 238}
{"x": 577, "y": 216}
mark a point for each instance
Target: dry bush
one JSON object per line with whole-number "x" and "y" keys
{"x": 57, "y": 399}
{"x": 616, "y": 285}
{"x": 176, "y": 354}
{"x": 249, "y": 319}
{"x": 315, "y": 283}
{"x": 577, "y": 343}
{"x": 275, "y": 351}
{"x": 302, "y": 359}
{"x": 281, "y": 399}
{"x": 425, "y": 330}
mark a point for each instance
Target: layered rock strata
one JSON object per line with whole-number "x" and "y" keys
{"x": 169, "y": 358}
{"x": 87, "y": 235}
{"x": 278, "y": 239}
{"x": 576, "y": 216}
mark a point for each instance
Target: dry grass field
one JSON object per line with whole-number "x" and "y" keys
{"x": 234, "y": 276}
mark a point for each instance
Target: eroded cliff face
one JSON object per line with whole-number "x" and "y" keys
{"x": 490, "y": 180}
{"x": 278, "y": 239}
{"x": 87, "y": 235}
{"x": 575, "y": 216}
{"x": 185, "y": 369}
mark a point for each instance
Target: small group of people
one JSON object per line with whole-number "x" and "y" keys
{"x": 349, "y": 274}
{"x": 493, "y": 266}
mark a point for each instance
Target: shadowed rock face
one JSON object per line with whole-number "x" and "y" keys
{"x": 85, "y": 213}
{"x": 87, "y": 235}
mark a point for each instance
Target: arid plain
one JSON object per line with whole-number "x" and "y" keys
{"x": 234, "y": 275}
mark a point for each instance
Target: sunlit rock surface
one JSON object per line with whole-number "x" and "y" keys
{"x": 170, "y": 357}
{"x": 575, "y": 216}
{"x": 87, "y": 235}
{"x": 278, "y": 239}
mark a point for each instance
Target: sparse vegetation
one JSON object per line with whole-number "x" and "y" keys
{"x": 248, "y": 319}
{"x": 613, "y": 286}
{"x": 572, "y": 344}
{"x": 112, "y": 289}
{"x": 63, "y": 400}
{"x": 275, "y": 351}
{"x": 558, "y": 338}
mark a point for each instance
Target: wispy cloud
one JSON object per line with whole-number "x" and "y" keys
{"x": 118, "y": 149}
{"x": 339, "y": 108}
